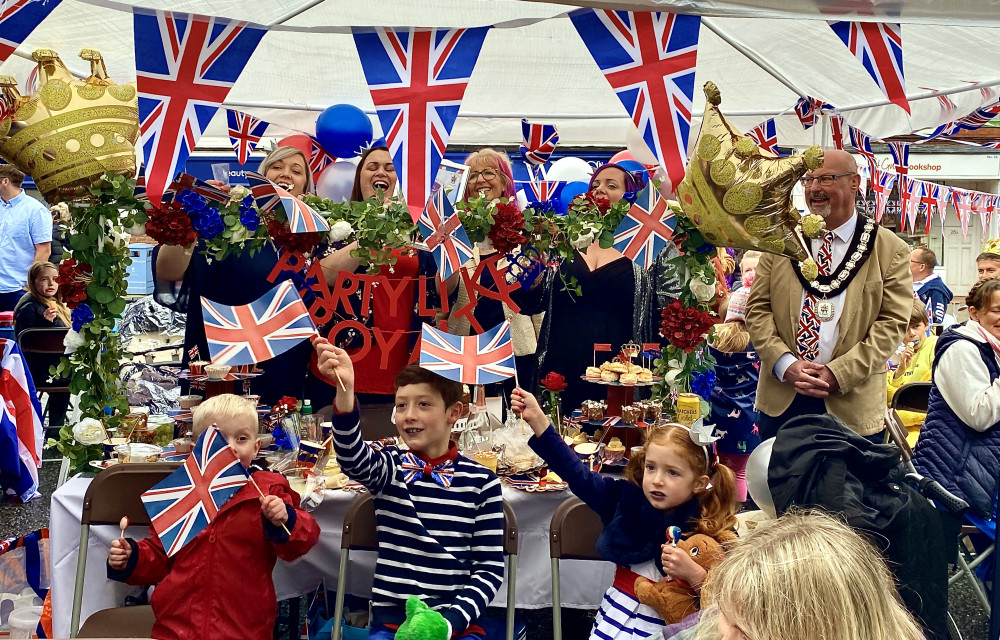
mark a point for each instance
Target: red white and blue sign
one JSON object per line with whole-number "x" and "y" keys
{"x": 482, "y": 359}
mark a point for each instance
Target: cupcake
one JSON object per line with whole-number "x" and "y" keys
{"x": 628, "y": 378}
{"x": 615, "y": 451}
{"x": 609, "y": 376}
{"x": 593, "y": 372}
{"x": 217, "y": 371}
{"x": 197, "y": 367}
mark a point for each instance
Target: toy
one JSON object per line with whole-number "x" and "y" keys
{"x": 674, "y": 599}
{"x": 422, "y": 622}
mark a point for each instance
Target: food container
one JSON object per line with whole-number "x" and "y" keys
{"x": 631, "y": 414}
{"x": 189, "y": 402}
{"x": 688, "y": 408}
{"x": 164, "y": 427}
{"x": 217, "y": 371}
{"x": 131, "y": 452}
{"x": 309, "y": 453}
{"x": 589, "y": 453}
{"x": 110, "y": 445}
{"x": 615, "y": 451}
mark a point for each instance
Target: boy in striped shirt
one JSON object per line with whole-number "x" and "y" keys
{"x": 438, "y": 514}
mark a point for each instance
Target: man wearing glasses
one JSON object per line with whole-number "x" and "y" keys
{"x": 824, "y": 343}
{"x": 25, "y": 235}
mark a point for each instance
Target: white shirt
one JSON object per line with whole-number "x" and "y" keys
{"x": 964, "y": 382}
{"x": 829, "y": 331}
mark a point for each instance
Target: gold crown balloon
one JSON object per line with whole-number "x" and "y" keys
{"x": 739, "y": 195}
{"x": 70, "y": 131}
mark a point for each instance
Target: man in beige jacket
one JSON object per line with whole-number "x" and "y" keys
{"x": 824, "y": 343}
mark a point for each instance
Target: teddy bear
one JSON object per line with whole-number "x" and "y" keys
{"x": 674, "y": 599}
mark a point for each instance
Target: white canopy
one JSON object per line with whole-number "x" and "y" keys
{"x": 763, "y": 54}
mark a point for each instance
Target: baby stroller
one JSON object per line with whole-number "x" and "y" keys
{"x": 818, "y": 462}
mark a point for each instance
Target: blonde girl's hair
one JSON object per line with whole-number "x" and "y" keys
{"x": 731, "y": 337}
{"x": 750, "y": 254}
{"x": 55, "y": 302}
{"x": 806, "y": 576}
{"x": 223, "y": 407}
{"x": 718, "y": 503}
{"x": 280, "y": 153}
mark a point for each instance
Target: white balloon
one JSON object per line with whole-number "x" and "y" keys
{"x": 757, "y": 477}
{"x": 336, "y": 181}
{"x": 638, "y": 147}
{"x": 570, "y": 169}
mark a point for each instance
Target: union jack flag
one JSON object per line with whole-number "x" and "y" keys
{"x": 140, "y": 191}
{"x": 417, "y": 79}
{"x": 862, "y": 142}
{"x": 259, "y": 331}
{"x": 18, "y": 19}
{"x": 647, "y": 228}
{"x": 649, "y": 59}
{"x": 245, "y": 132}
{"x": 301, "y": 217}
{"x": 879, "y": 48}
{"x": 540, "y": 141}
{"x": 809, "y": 110}
{"x": 900, "y": 152}
{"x": 319, "y": 159}
{"x": 946, "y": 105}
{"x": 444, "y": 234}
{"x": 541, "y": 190}
{"x": 963, "y": 207}
{"x": 181, "y": 505}
{"x": 765, "y": 136}
{"x": 185, "y": 66}
{"x": 882, "y": 183}
{"x": 971, "y": 122}
{"x": 837, "y": 130}
{"x": 188, "y": 182}
{"x": 482, "y": 359}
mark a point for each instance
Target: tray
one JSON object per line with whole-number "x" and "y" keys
{"x": 619, "y": 384}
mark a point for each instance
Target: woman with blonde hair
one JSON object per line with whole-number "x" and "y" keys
{"x": 804, "y": 576}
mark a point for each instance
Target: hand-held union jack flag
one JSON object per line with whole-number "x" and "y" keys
{"x": 649, "y": 59}
{"x": 540, "y": 141}
{"x": 185, "y": 66}
{"x": 18, "y": 19}
{"x": 765, "y": 136}
{"x": 301, "y": 217}
{"x": 879, "y": 48}
{"x": 647, "y": 228}
{"x": 417, "y": 79}
{"x": 444, "y": 234}
{"x": 185, "y": 502}
{"x": 259, "y": 331}
{"x": 245, "y": 132}
{"x": 482, "y": 359}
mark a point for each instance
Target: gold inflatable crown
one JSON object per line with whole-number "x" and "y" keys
{"x": 70, "y": 131}
{"x": 739, "y": 195}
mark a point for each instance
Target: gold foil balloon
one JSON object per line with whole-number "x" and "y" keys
{"x": 739, "y": 195}
{"x": 71, "y": 131}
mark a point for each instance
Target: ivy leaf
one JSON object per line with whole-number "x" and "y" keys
{"x": 80, "y": 242}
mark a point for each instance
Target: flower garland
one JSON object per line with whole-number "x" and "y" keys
{"x": 377, "y": 226}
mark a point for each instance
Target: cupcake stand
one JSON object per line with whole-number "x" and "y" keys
{"x": 618, "y": 395}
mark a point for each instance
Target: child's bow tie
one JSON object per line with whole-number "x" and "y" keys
{"x": 414, "y": 467}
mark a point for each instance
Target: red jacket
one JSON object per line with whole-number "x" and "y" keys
{"x": 219, "y": 585}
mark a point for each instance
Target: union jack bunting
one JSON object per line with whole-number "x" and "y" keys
{"x": 809, "y": 110}
{"x": 837, "y": 130}
{"x": 301, "y": 217}
{"x": 940, "y": 195}
{"x": 414, "y": 468}
{"x": 646, "y": 228}
{"x": 971, "y": 122}
{"x": 765, "y": 136}
{"x": 882, "y": 183}
{"x": 879, "y": 48}
{"x": 541, "y": 190}
{"x": 861, "y": 141}
{"x": 540, "y": 141}
{"x": 482, "y": 359}
{"x": 900, "y": 152}
{"x": 910, "y": 192}
{"x": 185, "y": 66}
{"x": 245, "y": 132}
{"x": 18, "y": 19}
{"x": 649, "y": 59}
{"x": 140, "y": 191}
{"x": 186, "y": 501}
{"x": 946, "y": 105}
{"x": 444, "y": 234}
{"x": 319, "y": 159}
{"x": 963, "y": 207}
{"x": 417, "y": 79}
{"x": 259, "y": 331}
{"x": 992, "y": 145}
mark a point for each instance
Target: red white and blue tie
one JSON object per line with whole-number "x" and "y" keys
{"x": 807, "y": 337}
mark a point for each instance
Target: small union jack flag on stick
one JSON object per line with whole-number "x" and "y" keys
{"x": 444, "y": 234}
{"x": 259, "y": 331}
{"x": 185, "y": 502}
{"x": 245, "y": 132}
{"x": 301, "y": 217}
{"x": 647, "y": 228}
{"x": 482, "y": 359}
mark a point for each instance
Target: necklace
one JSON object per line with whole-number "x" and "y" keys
{"x": 831, "y": 285}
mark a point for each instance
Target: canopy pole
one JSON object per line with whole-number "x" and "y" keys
{"x": 294, "y": 12}
{"x": 756, "y": 59}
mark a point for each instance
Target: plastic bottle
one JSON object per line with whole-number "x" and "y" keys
{"x": 307, "y": 422}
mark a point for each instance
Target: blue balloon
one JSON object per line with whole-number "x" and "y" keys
{"x": 569, "y": 191}
{"x": 638, "y": 171}
{"x": 343, "y": 130}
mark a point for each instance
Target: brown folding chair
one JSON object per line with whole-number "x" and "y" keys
{"x": 573, "y": 535}
{"x": 115, "y": 492}
{"x": 912, "y": 396}
{"x": 40, "y": 345}
{"x": 120, "y": 622}
{"x": 360, "y": 535}
{"x": 897, "y": 435}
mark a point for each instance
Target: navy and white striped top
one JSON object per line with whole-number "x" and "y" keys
{"x": 442, "y": 544}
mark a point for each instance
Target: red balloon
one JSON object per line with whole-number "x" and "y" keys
{"x": 299, "y": 141}
{"x": 624, "y": 154}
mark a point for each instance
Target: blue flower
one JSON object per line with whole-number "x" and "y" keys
{"x": 81, "y": 315}
{"x": 208, "y": 223}
{"x": 249, "y": 217}
{"x": 703, "y": 384}
{"x": 281, "y": 439}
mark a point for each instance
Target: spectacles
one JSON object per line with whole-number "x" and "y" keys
{"x": 487, "y": 174}
{"x": 824, "y": 181}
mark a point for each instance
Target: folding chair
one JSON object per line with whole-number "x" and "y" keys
{"x": 115, "y": 492}
{"x": 912, "y": 396}
{"x": 896, "y": 433}
{"x": 360, "y": 535}
{"x": 39, "y": 346}
{"x": 120, "y": 622}
{"x": 573, "y": 535}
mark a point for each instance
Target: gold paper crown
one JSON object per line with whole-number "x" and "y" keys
{"x": 739, "y": 195}
{"x": 991, "y": 246}
{"x": 70, "y": 131}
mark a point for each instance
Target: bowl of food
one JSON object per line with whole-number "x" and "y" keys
{"x": 189, "y": 402}
{"x": 133, "y": 452}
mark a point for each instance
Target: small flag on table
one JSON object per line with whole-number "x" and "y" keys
{"x": 482, "y": 359}
{"x": 647, "y": 227}
{"x": 600, "y": 346}
{"x": 187, "y": 500}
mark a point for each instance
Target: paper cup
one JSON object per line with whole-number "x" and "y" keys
{"x": 486, "y": 458}
{"x": 309, "y": 453}
{"x": 109, "y": 447}
{"x": 635, "y": 451}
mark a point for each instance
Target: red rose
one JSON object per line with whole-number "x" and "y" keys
{"x": 602, "y": 202}
{"x": 170, "y": 225}
{"x": 73, "y": 279}
{"x": 685, "y": 327}
{"x": 554, "y": 382}
{"x": 507, "y": 231}
{"x": 293, "y": 242}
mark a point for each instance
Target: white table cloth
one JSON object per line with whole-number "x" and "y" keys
{"x": 583, "y": 582}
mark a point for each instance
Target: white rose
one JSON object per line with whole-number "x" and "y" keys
{"x": 340, "y": 230}
{"x": 238, "y": 192}
{"x": 72, "y": 341}
{"x": 703, "y": 291}
{"x": 586, "y": 237}
{"x": 88, "y": 431}
{"x": 671, "y": 377}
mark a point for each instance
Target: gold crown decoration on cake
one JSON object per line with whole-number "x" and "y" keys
{"x": 70, "y": 131}
{"x": 739, "y": 195}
